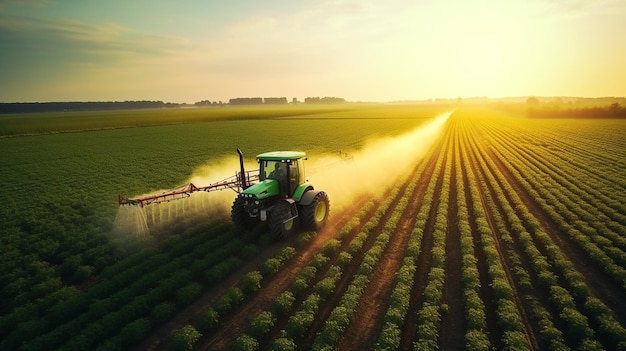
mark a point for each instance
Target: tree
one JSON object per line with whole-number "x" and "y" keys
{"x": 532, "y": 101}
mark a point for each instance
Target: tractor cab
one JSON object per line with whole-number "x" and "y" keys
{"x": 286, "y": 167}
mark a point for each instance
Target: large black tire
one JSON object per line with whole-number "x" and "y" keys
{"x": 315, "y": 214}
{"x": 281, "y": 222}
{"x": 239, "y": 215}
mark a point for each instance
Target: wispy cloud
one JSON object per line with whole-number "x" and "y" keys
{"x": 6, "y": 4}
{"x": 98, "y": 42}
{"x": 69, "y": 53}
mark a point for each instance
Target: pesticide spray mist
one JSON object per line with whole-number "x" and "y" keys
{"x": 138, "y": 225}
{"x": 344, "y": 177}
{"x": 375, "y": 167}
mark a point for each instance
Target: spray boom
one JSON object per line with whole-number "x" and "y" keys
{"x": 239, "y": 182}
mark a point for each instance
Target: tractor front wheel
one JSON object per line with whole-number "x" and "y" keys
{"x": 315, "y": 214}
{"x": 240, "y": 216}
{"x": 281, "y": 221}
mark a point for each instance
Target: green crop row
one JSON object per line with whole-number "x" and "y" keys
{"x": 585, "y": 205}
{"x": 342, "y": 313}
{"x": 304, "y": 314}
{"x": 429, "y": 316}
{"x": 541, "y": 317}
{"x": 565, "y": 213}
{"x": 107, "y": 308}
{"x": 400, "y": 299}
{"x": 59, "y": 190}
{"x": 508, "y": 316}
{"x": 611, "y": 333}
{"x": 476, "y": 336}
{"x": 551, "y": 271}
{"x": 548, "y": 334}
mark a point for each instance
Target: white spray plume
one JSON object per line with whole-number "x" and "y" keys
{"x": 373, "y": 168}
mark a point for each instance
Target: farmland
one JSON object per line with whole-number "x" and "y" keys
{"x": 507, "y": 233}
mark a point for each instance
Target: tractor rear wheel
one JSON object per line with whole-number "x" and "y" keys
{"x": 281, "y": 221}
{"x": 315, "y": 214}
{"x": 240, "y": 216}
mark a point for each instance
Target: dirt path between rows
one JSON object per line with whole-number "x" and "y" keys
{"x": 420, "y": 278}
{"x": 363, "y": 330}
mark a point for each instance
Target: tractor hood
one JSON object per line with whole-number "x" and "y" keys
{"x": 263, "y": 189}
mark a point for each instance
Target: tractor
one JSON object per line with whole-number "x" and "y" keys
{"x": 282, "y": 197}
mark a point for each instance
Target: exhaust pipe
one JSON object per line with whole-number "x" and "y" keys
{"x": 242, "y": 177}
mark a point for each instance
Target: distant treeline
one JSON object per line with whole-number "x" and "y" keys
{"x": 283, "y": 100}
{"x": 257, "y": 101}
{"x": 612, "y": 111}
{"x": 30, "y": 107}
{"x": 324, "y": 100}
{"x": 33, "y": 107}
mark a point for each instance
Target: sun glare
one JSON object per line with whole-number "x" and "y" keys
{"x": 480, "y": 62}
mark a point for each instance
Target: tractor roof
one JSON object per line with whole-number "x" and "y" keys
{"x": 281, "y": 155}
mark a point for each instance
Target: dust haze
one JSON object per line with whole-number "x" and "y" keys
{"x": 373, "y": 168}
{"x": 344, "y": 177}
{"x": 136, "y": 225}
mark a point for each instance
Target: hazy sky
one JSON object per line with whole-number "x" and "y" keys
{"x": 361, "y": 50}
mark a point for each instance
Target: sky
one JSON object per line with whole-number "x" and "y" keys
{"x": 359, "y": 50}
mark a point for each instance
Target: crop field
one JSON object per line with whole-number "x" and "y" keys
{"x": 452, "y": 227}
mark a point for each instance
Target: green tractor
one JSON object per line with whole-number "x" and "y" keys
{"x": 282, "y": 197}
